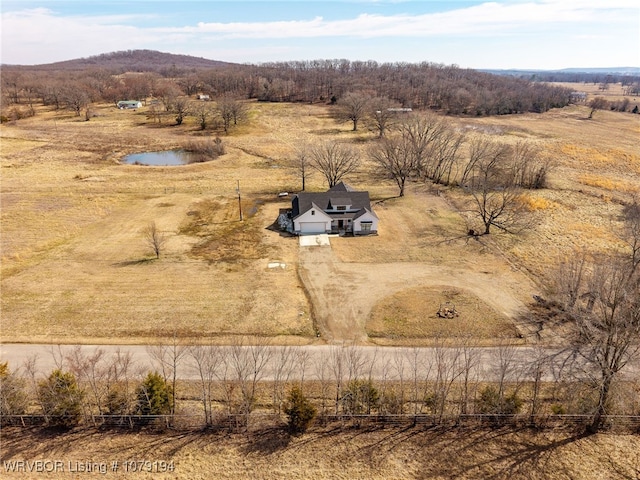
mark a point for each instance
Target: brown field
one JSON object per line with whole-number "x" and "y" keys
{"x": 336, "y": 453}
{"x": 614, "y": 92}
{"x": 75, "y": 267}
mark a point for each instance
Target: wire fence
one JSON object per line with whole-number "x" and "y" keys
{"x": 253, "y": 421}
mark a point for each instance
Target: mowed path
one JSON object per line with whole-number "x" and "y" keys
{"x": 344, "y": 294}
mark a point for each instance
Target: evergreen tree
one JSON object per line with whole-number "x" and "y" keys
{"x": 299, "y": 410}
{"x": 61, "y": 399}
{"x": 154, "y": 396}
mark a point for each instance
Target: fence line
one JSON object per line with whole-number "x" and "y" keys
{"x": 244, "y": 422}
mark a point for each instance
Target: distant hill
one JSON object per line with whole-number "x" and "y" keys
{"x": 576, "y": 75}
{"x": 133, "y": 61}
{"x": 612, "y": 70}
{"x": 601, "y": 71}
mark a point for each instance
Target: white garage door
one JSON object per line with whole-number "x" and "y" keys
{"x": 312, "y": 227}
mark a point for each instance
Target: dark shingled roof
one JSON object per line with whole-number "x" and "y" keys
{"x": 303, "y": 201}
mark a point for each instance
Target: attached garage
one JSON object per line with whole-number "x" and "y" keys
{"x": 312, "y": 227}
{"x": 313, "y": 221}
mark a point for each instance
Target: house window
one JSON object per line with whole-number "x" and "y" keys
{"x": 365, "y": 227}
{"x": 313, "y": 212}
{"x": 341, "y": 207}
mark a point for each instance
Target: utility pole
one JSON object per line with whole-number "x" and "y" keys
{"x": 239, "y": 200}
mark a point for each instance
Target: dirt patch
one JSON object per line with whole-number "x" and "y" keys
{"x": 414, "y": 313}
{"x": 343, "y": 295}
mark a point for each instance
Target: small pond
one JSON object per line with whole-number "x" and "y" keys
{"x": 168, "y": 157}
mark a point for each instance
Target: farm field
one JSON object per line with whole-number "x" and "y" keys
{"x": 75, "y": 267}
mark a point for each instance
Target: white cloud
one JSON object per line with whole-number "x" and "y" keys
{"x": 487, "y": 18}
{"x": 41, "y": 35}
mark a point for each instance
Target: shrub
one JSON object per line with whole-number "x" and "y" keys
{"x": 61, "y": 399}
{"x": 117, "y": 402}
{"x": 206, "y": 150}
{"x": 299, "y": 410}
{"x": 492, "y": 402}
{"x": 360, "y": 397}
{"x": 154, "y": 396}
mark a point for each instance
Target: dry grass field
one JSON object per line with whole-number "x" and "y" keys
{"x": 75, "y": 267}
{"x": 343, "y": 453}
{"x": 613, "y": 91}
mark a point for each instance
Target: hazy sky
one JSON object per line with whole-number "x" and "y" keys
{"x": 536, "y": 34}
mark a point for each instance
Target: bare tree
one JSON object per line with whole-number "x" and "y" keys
{"x": 203, "y": 112}
{"x": 337, "y": 362}
{"x": 13, "y": 397}
{"x": 154, "y": 238}
{"x": 495, "y": 200}
{"x": 323, "y": 372}
{"x": 603, "y": 306}
{"x": 528, "y": 168}
{"x": 353, "y": 107}
{"x": 206, "y": 360}
{"x": 448, "y": 370}
{"x": 538, "y": 366}
{"x": 394, "y": 157}
{"x": 334, "y": 160}
{"x": 120, "y": 379}
{"x": 598, "y": 103}
{"x": 284, "y": 363}
{"x": 180, "y": 108}
{"x": 399, "y": 367}
{"x": 168, "y": 357}
{"x": 383, "y": 114}
{"x": 248, "y": 363}
{"x": 419, "y": 371}
{"x": 303, "y": 164}
{"x": 479, "y": 149}
{"x": 231, "y": 111}
{"x": 607, "y": 333}
{"x": 569, "y": 279}
{"x": 239, "y": 111}
{"x": 444, "y": 155}
{"x": 75, "y": 98}
{"x": 90, "y": 369}
{"x": 422, "y": 133}
{"x": 631, "y": 232}
{"x": 470, "y": 362}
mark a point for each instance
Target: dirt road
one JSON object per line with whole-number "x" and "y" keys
{"x": 343, "y": 294}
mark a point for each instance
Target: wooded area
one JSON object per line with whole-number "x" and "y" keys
{"x": 140, "y": 75}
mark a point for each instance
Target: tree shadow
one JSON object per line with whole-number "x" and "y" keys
{"x": 267, "y": 441}
{"x": 510, "y": 455}
{"x": 131, "y": 263}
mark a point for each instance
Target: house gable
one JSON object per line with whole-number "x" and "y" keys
{"x": 313, "y": 220}
{"x": 365, "y": 222}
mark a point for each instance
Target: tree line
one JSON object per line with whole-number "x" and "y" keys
{"x": 235, "y": 384}
{"x": 448, "y": 89}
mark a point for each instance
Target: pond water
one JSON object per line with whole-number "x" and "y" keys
{"x": 166, "y": 158}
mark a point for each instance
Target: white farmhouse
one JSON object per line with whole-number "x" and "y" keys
{"x": 338, "y": 210}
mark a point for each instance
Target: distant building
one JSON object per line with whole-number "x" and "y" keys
{"x": 127, "y": 104}
{"x": 203, "y": 97}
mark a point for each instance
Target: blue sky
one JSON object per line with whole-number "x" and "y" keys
{"x": 525, "y": 34}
